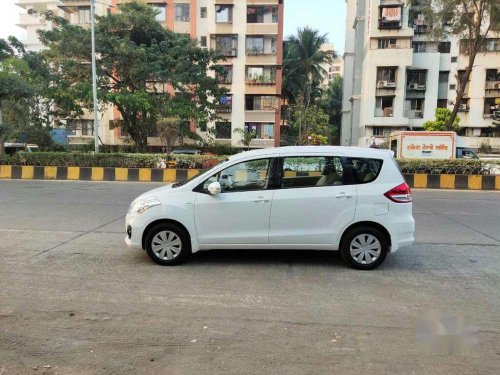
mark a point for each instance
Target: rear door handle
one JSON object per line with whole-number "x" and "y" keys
{"x": 343, "y": 196}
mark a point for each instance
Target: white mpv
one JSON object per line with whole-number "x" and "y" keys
{"x": 307, "y": 197}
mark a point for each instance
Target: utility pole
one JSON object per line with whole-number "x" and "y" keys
{"x": 94, "y": 77}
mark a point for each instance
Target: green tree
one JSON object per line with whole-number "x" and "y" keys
{"x": 470, "y": 21}
{"x": 14, "y": 82}
{"x": 443, "y": 116}
{"x": 331, "y": 102}
{"x": 302, "y": 64}
{"x": 246, "y": 136}
{"x": 306, "y": 122}
{"x": 145, "y": 70}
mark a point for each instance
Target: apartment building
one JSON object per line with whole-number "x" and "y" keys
{"x": 249, "y": 33}
{"x": 332, "y": 69}
{"x": 395, "y": 76}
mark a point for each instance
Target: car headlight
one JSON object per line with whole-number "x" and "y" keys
{"x": 143, "y": 204}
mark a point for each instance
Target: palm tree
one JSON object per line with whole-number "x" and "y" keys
{"x": 303, "y": 60}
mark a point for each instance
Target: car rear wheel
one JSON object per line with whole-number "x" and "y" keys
{"x": 168, "y": 244}
{"x": 364, "y": 248}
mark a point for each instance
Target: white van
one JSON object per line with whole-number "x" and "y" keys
{"x": 307, "y": 197}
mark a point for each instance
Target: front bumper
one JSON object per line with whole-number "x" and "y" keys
{"x": 134, "y": 229}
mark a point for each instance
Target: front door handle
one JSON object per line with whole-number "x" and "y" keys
{"x": 343, "y": 196}
{"x": 261, "y": 200}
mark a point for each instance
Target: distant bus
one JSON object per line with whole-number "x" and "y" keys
{"x": 12, "y": 148}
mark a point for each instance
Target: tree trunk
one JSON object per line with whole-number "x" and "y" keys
{"x": 460, "y": 92}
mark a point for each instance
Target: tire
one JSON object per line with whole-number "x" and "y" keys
{"x": 176, "y": 243}
{"x": 359, "y": 239}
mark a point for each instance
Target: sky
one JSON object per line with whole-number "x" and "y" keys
{"x": 328, "y": 16}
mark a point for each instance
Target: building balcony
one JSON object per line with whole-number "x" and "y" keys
{"x": 262, "y": 28}
{"x": 28, "y": 20}
{"x": 260, "y": 116}
{"x": 262, "y": 143}
{"x": 414, "y": 114}
{"x": 387, "y": 85}
{"x": 492, "y": 85}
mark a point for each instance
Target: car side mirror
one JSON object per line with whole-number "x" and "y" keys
{"x": 214, "y": 188}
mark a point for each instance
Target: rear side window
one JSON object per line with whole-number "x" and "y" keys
{"x": 311, "y": 171}
{"x": 364, "y": 170}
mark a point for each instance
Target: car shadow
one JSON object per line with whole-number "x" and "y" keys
{"x": 267, "y": 257}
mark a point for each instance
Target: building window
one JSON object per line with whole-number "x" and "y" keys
{"x": 443, "y": 77}
{"x": 261, "y": 75}
{"x": 454, "y": 59}
{"x": 492, "y": 75}
{"x": 384, "y": 106}
{"x": 80, "y": 127}
{"x": 182, "y": 12}
{"x": 261, "y": 45}
{"x": 390, "y": 17}
{"x": 417, "y": 22}
{"x": 161, "y": 15}
{"x": 378, "y": 131}
{"x": 384, "y": 43}
{"x": 261, "y": 130}
{"x": 492, "y": 107}
{"x": 453, "y": 87}
{"x": 419, "y": 47}
{"x": 442, "y": 103}
{"x": 203, "y": 41}
{"x": 225, "y": 103}
{"x": 227, "y": 76}
{"x": 260, "y": 103}
{"x": 223, "y": 130}
{"x": 227, "y": 45}
{"x": 224, "y": 13}
{"x": 415, "y": 108}
{"x": 416, "y": 79}
{"x": 84, "y": 15}
{"x": 262, "y": 14}
{"x": 444, "y": 47}
{"x": 386, "y": 77}
{"x": 489, "y": 45}
{"x": 203, "y": 12}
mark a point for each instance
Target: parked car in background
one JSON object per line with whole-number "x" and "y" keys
{"x": 307, "y": 197}
{"x": 186, "y": 151}
{"x": 12, "y": 148}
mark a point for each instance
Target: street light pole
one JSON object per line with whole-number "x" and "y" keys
{"x": 94, "y": 77}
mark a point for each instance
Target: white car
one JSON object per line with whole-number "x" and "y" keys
{"x": 306, "y": 197}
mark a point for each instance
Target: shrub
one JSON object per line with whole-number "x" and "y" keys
{"x": 485, "y": 148}
{"x": 456, "y": 166}
{"x": 79, "y": 159}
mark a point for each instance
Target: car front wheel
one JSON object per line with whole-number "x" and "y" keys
{"x": 364, "y": 248}
{"x": 168, "y": 244}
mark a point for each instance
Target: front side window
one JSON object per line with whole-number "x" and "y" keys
{"x": 309, "y": 171}
{"x": 247, "y": 176}
{"x": 182, "y": 12}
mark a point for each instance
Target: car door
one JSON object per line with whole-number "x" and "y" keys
{"x": 313, "y": 203}
{"x": 240, "y": 213}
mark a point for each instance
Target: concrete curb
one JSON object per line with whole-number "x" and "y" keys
{"x": 26, "y": 172}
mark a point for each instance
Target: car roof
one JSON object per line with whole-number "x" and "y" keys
{"x": 298, "y": 150}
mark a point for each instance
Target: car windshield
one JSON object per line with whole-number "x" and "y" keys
{"x": 184, "y": 182}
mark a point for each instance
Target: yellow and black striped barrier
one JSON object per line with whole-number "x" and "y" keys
{"x": 453, "y": 181}
{"x": 27, "y": 172}
{"x": 416, "y": 181}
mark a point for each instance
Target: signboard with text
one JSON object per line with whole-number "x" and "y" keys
{"x": 439, "y": 146}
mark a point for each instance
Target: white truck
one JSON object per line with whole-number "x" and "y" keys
{"x": 429, "y": 145}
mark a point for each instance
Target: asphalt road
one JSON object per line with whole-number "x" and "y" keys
{"x": 74, "y": 298}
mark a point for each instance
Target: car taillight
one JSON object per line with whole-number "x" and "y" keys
{"x": 400, "y": 194}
